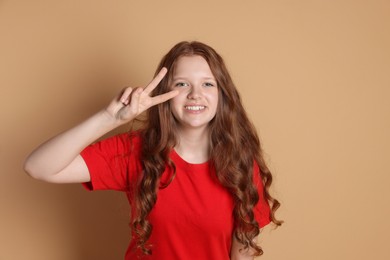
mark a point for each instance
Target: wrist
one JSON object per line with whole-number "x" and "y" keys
{"x": 108, "y": 121}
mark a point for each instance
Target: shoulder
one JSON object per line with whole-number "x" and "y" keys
{"x": 128, "y": 142}
{"x": 127, "y": 138}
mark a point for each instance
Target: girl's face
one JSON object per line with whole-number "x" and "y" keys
{"x": 196, "y": 104}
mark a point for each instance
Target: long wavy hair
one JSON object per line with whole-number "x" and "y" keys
{"x": 234, "y": 147}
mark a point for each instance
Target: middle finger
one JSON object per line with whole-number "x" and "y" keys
{"x": 153, "y": 84}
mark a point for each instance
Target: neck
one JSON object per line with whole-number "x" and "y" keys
{"x": 193, "y": 145}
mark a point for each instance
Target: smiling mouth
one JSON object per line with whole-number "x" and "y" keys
{"x": 195, "y": 108}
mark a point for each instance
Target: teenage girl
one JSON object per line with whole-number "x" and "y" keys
{"x": 194, "y": 174}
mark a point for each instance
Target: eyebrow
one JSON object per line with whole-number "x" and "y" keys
{"x": 184, "y": 78}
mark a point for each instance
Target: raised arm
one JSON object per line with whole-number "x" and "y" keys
{"x": 58, "y": 160}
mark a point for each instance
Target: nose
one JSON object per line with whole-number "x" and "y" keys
{"x": 194, "y": 93}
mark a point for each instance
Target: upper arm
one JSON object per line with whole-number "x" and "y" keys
{"x": 75, "y": 172}
{"x": 238, "y": 252}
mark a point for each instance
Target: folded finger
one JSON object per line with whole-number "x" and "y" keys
{"x": 125, "y": 96}
{"x": 135, "y": 96}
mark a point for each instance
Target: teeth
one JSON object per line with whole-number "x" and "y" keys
{"x": 195, "y": 108}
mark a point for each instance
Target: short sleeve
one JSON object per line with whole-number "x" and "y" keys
{"x": 262, "y": 209}
{"x": 110, "y": 163}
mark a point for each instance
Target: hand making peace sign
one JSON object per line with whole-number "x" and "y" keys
{"x": 132, "y": 102}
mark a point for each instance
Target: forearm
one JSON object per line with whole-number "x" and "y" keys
{"x": 57, "y": 153}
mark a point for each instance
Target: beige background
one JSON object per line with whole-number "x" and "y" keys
{"x": 314, "y": 76}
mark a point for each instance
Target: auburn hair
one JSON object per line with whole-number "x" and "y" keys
{"x": 234, "y": 147}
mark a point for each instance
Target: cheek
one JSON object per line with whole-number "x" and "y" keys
{"x": 216, "y": 102}
{"x": 214, "y": 99}
{"x": 175, "y": 104}
{"x": 180, "y": 98}
{"x": 175, "y": 101}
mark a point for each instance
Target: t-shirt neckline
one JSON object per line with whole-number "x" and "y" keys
{"x": 179, "y": 160}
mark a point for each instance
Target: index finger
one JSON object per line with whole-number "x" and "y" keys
{"x": 153, "y": 84}
{"x": 164, "y": 97}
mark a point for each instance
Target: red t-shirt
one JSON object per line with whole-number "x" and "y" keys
{"x": 192, "y": 218}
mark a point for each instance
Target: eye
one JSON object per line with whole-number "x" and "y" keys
{"x": 181, "y": 84}
{"x": 208, "y": 84}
